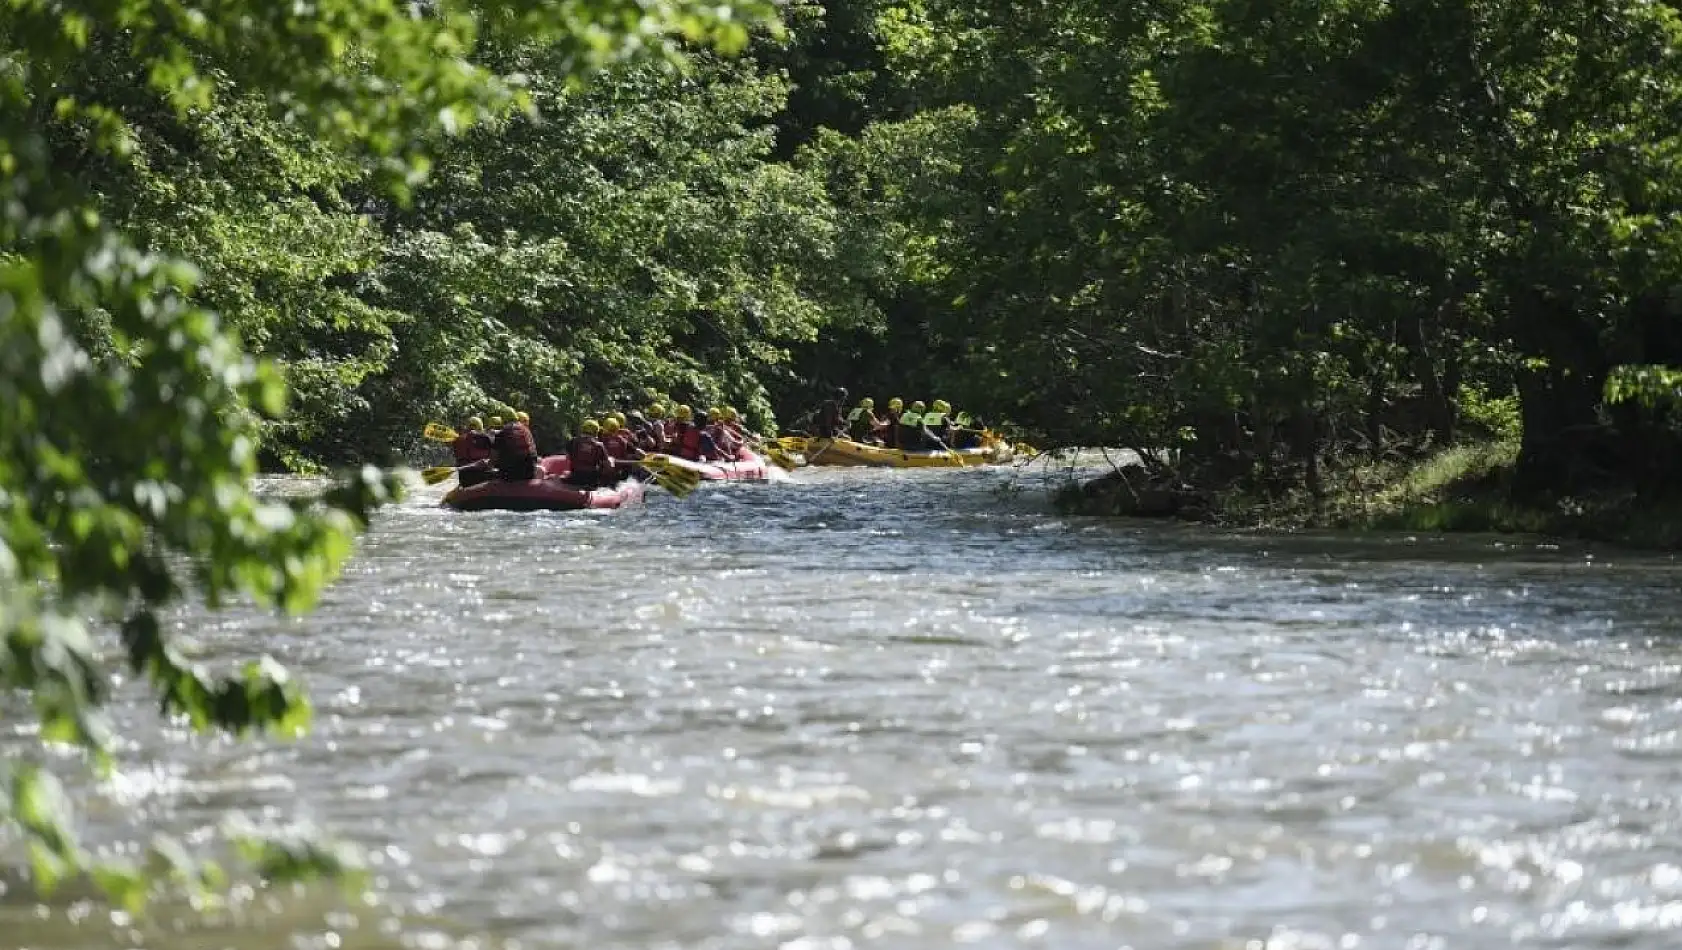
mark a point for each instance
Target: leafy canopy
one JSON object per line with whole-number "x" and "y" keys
{"x": 129, "y": 412}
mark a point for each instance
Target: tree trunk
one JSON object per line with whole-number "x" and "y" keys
{"x": 1439, "y": 400}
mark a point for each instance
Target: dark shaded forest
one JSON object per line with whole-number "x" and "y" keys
{"x": 1255, "y": 242}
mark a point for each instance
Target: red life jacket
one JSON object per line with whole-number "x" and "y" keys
{"x": 514, "y": 445}
{"x": 688, "y": 441}
{"x": 472, "y": 446}
{"x": 618, "y": 445}
{"x": 587, "y": 454}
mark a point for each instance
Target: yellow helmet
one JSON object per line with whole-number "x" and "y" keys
{"x": 867, "y": 403}
{"x": 524, "y": 418}
{"x": 475, "y": 424}
{"x": 496, "y": 422}
{"x": 611, "y": 425}
{"x": 715, "y": 413}
{"x": 684, "y": 413}
{"x": 657, "y": 411}
{"x": 918, "y": 406}
{"x": 730, "y": 414}
{"x": 590, "y": 427}
{"x": 896, "y": 404}
{"x": 941, "y": 405}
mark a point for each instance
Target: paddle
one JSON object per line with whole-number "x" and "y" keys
{"x": 947, "y": 448}
{"x": 439, "y": 432}
{"x": 438, "y": 473}
{"x": 774, "y": 452}
{"x": 674, "y": 478}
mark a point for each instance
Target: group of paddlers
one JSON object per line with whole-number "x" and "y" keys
{"x": 604, "y": 451}
{"x": 917, "y": 428}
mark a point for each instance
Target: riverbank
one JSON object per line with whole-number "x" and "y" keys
{"x": 1464, "y": 488}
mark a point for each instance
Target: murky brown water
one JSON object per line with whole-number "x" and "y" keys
{"x": 895, "y": 710}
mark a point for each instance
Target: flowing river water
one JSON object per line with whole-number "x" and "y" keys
{"x": 896, "y": 709}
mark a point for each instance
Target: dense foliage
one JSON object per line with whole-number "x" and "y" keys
{"x": 1271, "y": 234}
{"x": 176, "y": 178}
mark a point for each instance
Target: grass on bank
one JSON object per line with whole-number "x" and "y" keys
{"x": 1468, "y": 488}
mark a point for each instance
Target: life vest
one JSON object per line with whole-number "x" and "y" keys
{"x": 618, "y": 445}
{"x": 472, "y": 446}
{"x": 586, "y": 454}
{"x": 910, "y": 420}
{"x": 934, "y": 420}
{"x": 688, "y": 441}
{"x": 514, "y": 445}
{"x": 861, "y": 423}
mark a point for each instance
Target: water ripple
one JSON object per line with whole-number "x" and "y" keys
{"x": 892, "y": 710}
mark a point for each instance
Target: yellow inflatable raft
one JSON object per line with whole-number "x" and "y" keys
{"x": 848, "y": 452}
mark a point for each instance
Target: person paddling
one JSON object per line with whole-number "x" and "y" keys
{"x": 650, "y": 435}
{"x": 473, "y": 449}
{"x": 690, "y": 441}
{"x": 516, "y": 453}
{"x": 937, "y": 425}
{"x": 830, "y": 423}
{"x": 862, "y": 421}
{"x": 911, "y": 428}
{"x": 658, "y": 419}
{"x": 590, "y": 466}
{"x": 733, "y": 423}
{"x": 888, "y": 425}
{"x": 618, "y": 441}
{"x": 724, "y": 440}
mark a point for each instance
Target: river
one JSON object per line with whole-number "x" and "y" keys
{"x": 892, "y": 709}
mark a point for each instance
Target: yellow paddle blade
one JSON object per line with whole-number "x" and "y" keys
{"x": 794, "y": 443}
{"x": 680, "y": 482}
{"x": 780, "y": 459}
{"x": 436, "y": 474}
{"x": 678, "y": 487}
{"x": 676, "y": 479}
{"x": 439, "y": 432}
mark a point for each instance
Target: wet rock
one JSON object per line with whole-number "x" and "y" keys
{"x": 1132, "y": 492}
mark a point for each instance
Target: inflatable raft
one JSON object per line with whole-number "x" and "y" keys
{"x": 848, "y": 452}
{"x": 542, "y": 494}
{"x": 748, "y": 466}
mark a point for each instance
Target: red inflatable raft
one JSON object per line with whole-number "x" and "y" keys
{"x": 541, "y": 494}
{"x": 747, "y": 467}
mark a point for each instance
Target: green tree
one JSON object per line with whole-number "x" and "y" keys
{"x": 129, "y": 414}
{"x": 1285, "y": 232}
